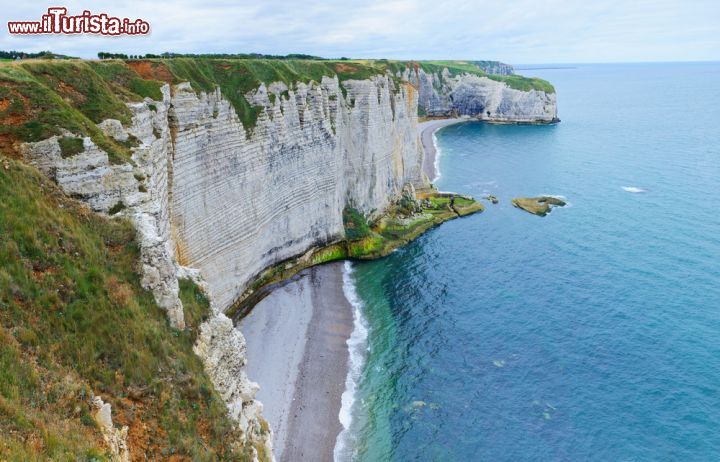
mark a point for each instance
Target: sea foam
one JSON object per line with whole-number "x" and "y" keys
{"x": 357, "y": 347}
{"x": 436, "y": 162}
{"x": 633, "y": 189}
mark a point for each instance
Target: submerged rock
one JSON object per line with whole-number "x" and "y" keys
{"x": 539, "y": 206}
{"x": 492, "y": 198}
{"x": 552, "y": 201}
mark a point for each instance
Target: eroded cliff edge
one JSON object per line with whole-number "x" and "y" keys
{"x": 446, "y": 92}
{"x": 221, "y": 185}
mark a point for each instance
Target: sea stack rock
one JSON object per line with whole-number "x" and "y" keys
{"x": 539, "y": 206}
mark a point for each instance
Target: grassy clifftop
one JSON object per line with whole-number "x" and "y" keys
{"x": 236, "y": 77}
{"x": 39, "y": 97}
{"x": 74, "y": 321}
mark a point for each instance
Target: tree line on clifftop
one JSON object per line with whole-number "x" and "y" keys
{"x": 105, "y": 55}
{"x": 24, "y": 55}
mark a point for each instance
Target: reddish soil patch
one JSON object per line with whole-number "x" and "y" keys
{"x": 8, "y": 145}
{"x": 8, "y": 141}
{"x": 342, "y": 67}
{"x": 41, "y": 273}
{"x": 147, "y": 439}
{"x": 71, "y": 93}
{"x": 152, "y": 71}
{"x": 17, "y": 117}
{"x": 141, "y": 427}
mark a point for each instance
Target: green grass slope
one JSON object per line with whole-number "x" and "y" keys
{"x": 74, "y": 321}
{"x": 38, "y": 97}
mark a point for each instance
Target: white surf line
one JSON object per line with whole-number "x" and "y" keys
{"x": 357, "y": 348}
{"x": 446, "y": 123}
{"x": 633, "y": 189}
{"x": 436, "y": 161}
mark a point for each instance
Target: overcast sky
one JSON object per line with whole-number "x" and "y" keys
{"x": 514, "y": 31}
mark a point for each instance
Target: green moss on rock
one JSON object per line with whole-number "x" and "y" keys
{"x": 396, "y": 228}
{"x": 70, "y": 146}
{"x": 356, "y": 225}
{"x": 539, "y": 206}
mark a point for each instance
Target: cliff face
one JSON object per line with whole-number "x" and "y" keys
{"x": 241, "y": 204}
{"x": 495, "y": 67}
{"x": 444, "y": 94}
{"x": 216, "y": 203}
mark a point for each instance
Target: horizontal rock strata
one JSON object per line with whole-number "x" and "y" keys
{"x": 442, "y": 95}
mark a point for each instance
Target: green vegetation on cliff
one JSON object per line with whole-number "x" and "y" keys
{"x": 126, "y": 82}
{"x": 237, "y": 77}
{"x": 365, "y": 240}
{"x": 405, "y": 222}
{"x": 70, "y": 146}
{"x": 75, "y": 322}
{"x": 515, "y": 81}
{"x": 39, "y": 97}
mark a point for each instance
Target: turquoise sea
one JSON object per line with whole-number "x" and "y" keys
{"x": 590, "y": 334}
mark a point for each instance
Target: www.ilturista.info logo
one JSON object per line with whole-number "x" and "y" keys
{"x": 57, "y": 21}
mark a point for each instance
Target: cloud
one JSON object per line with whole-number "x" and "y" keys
{"x": 516, "y": 31}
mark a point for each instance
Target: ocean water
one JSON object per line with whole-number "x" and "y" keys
{"x": 589, "y": 334}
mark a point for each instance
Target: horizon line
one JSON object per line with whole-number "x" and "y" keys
{"x": 538, "y": 63}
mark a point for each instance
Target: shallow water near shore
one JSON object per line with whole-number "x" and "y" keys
{"x": 589, "y": 334}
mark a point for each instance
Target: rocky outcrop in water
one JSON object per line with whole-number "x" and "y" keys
{"x": 539, "y": 206}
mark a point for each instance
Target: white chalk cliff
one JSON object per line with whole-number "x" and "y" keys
{"x": 216, "y": 203}
{"x": 442, "y": 94}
